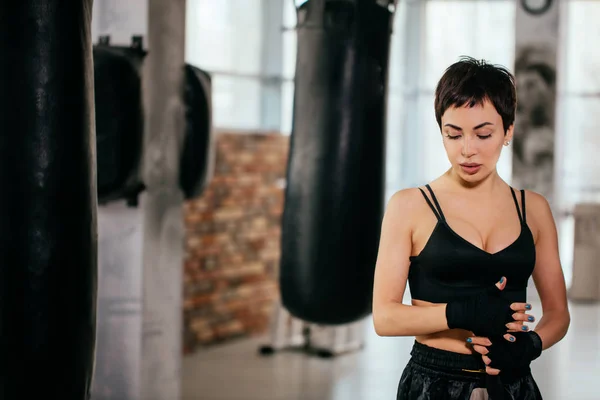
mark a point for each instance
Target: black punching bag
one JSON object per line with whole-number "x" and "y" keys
{"x": 334, "y": 198}
{"x": 196, "y": 166}
{"x": 119, "y": 119}
{"x": 48, "y": 203}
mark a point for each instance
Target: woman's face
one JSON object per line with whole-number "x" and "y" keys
{"x": 473, "y": 138}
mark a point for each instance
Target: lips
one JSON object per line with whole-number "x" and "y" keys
{"x": 470, "y": 168}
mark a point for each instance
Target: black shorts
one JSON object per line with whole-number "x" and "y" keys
{"x": 434, "y": 374}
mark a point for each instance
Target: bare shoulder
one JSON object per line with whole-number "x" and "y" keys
{"x": 405, "y": 211}
{"x": 406, "y": 203}
{"x": 537, "y": 205}
{"x": 410, "y": 197}
{"x": 539, "y": 213}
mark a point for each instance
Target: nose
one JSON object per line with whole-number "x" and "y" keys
{"x": 468, "y": 147}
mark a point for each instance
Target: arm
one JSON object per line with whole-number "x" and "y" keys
{"x": 547, "y": 275}
{"x": 390, "y": 316}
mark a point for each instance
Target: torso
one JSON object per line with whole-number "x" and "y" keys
{"x": 486, "y": 235}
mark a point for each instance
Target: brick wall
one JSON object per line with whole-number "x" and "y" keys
{"x": 232, "y": 243}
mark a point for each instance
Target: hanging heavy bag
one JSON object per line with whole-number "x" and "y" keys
{"x": 197, "y": 156}
{"x": 48, "y": 234}
{"x": 334, "y": 198}
{"x": 119, "y": 120}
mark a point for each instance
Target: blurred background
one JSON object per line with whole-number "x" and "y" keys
{"x": 206, "y": 322}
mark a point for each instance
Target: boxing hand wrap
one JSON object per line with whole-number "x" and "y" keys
{"x": 485, "y": 314}
{"x": 505, "y": 355}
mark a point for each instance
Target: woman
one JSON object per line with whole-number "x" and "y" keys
{"x": 467, "y": 244}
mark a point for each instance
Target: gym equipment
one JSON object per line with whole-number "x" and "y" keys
{"x": 291, "y": 334}
{"x": 334, "y": 198}
{"x": 585, "y": 286}
{"x": 48, "y": 239}
{"x": 119, "y": 119}
{"x": 197, "y": 157}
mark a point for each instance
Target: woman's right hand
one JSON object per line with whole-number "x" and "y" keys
{"x": 487, "y": 313}
{"x": 514, "y": 351}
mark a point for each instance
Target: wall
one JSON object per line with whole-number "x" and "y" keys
{"x": 232, "y": 241}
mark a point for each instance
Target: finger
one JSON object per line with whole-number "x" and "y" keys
{"x": 510, "y": 338}
{"x": 482, "y": 341}
{"x": 481, "y": 349}
{"x": 521, "y": 307}
{"x": 523, "y": 317}
{"x": 486, "y": 360}
{"x": 501, "y": 284}
{"x": 492, "y": 371}
{"x": 517, "y": 327}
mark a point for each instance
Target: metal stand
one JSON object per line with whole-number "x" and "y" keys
{"x": 292, "y": 334}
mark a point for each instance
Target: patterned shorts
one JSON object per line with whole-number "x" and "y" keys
{"x": 434, "y": 374}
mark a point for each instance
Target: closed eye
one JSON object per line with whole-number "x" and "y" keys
{"x": 483, "y": 137}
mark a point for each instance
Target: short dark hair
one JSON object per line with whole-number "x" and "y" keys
{"x": 470, "y": 81}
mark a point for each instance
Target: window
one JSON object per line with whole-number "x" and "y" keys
{"x": 289, "y": 65}
{"x": 225, "y": 38}
{"x": 578, "y": 100}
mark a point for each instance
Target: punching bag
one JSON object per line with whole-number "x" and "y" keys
{"x": 196, "y": 167}
{"x": 334, "y": 198}
{"x": 48, "y": 203}
{"x": 119, "y": 119}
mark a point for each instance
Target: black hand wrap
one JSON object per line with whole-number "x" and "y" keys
{"x": 507, "y": 355}
{"x": 485, "y": 314}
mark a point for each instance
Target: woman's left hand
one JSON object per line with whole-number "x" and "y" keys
{"x": 480, "y": 343}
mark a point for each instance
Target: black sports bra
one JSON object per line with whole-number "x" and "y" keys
{"x": 450, "y": 267}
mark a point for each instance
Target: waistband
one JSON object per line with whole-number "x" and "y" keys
{"x": 447, "y": 360}
{"x": 466, "y": 365}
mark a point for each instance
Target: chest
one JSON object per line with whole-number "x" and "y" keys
{"x": 451, "y": 259}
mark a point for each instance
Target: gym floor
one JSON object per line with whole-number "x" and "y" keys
{"x": 235, "y": 371}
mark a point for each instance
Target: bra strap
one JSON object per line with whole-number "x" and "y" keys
{"x": 430, "y": 205}
{"x": 439, "y": 209}
{"x": 523, "y": 206}
{"x": 521, "y": 217}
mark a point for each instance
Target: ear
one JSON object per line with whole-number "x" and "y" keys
{"x": 508, "y": 137}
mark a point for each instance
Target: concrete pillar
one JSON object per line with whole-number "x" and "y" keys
{"x": 163, "y": 222}
{"x": 120, "y": 235}
{"x": 535, "y": 72}
{"x": 119, "y": 330}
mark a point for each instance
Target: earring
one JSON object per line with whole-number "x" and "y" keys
{"x": 507, "y": 143}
